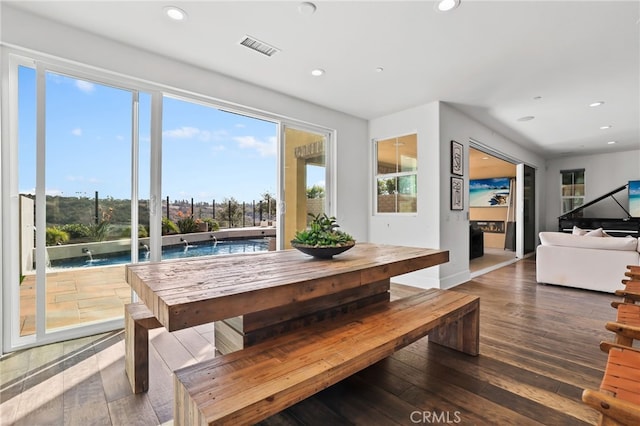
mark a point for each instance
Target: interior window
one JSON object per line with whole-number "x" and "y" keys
{"x": 396, "y": 174}
{"x": 572, "y": 189}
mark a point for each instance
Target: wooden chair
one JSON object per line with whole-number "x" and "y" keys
{"x": 633, "y": 272}
{"x": 618, "y": 399}
{"x": 629, "y": 294}
{"x": 626, "y": 327}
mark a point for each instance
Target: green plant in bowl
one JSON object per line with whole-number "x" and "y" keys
{"x": 322, "y": 238}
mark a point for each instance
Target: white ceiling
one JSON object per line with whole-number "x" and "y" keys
{"x": 489, "y": 59}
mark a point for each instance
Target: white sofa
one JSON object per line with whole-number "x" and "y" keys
{"x": 585, "y": 261}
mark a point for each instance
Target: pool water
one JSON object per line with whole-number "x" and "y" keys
{"x": 201, "y": 248}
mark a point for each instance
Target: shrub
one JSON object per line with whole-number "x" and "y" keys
{"x": 187, "y": 225}
{"x": 142, "y": 232}
{"x": 76, "y": 230}
{"x": 56, "y": 235}
{"x": 99, "y": 231}
{"x": 168, "y": 227}
{"x": 213, "y": 224}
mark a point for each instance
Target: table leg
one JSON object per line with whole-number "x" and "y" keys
{"x": 460, "y": 332}
{"x": 137, "y": 322}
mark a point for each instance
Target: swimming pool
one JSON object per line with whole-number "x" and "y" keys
{"x": 202, "y": 248}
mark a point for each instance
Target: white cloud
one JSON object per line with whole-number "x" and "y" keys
{"x": 265, "y": 148}
{"x": 77, "y": 131}
{"x": 85, "y": 86}
{"x": 186, "y": 132}
{"x": 71, "y": 178}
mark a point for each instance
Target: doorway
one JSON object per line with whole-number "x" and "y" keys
{"x": 492, "y": 218}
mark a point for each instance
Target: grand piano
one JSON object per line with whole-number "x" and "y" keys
{"x": 621, "y": 227}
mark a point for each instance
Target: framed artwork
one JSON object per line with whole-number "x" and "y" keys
{"x": 456, "y": 158}
{"x": 634, "y": 198}
{"x": 492, "y": 192}
{"x": 457, "y": 193}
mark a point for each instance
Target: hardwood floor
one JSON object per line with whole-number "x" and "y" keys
{"x": 538, "y": 350}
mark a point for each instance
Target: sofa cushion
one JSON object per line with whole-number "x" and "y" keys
{"x": 579, "y": 241}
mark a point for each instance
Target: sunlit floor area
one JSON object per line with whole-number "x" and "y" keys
{"x": 76, "y": 296}
{"x": 529, "y": 371}
{"x": 493, "y": 258}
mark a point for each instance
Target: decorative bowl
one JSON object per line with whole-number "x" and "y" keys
{"x": 322, "y": 252}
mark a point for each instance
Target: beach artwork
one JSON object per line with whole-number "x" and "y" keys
{"x": 634, "y": 198}
{"x": 492, "y": 192}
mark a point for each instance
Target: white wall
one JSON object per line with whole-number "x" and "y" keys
{"x": 420, "y": 229}
{"x": 603, "y": 173}
{"x": 454, "y": 229}
{"x": 436, "y": 225}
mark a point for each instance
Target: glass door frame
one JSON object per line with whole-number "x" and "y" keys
{"x": 11, "y": 339}
{"x": 330, "y": 173}
{"x": 12, "y": 57}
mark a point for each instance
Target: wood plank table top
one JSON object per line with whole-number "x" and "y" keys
{"x": 183, "y": 293}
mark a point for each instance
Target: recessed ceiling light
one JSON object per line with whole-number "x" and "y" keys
{"x": 537, "y": 98}
{"x": 306, "y": 8}
{"x": 447, "y": 5}
{"x": 379, "y": 69}
{"x": 605, "y": 127}
{"x": 611, "y": 142}
{"x": 175, "y": 13}
{"x": 317, "y": 72}
{"x": 485, "y": 158}
{"x": 595, "y": 104}
{"x": 526, "y": 118}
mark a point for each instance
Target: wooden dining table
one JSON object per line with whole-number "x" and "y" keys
{"x": 256, "y": 296}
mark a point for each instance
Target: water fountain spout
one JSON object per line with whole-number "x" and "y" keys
{"x": 88, "y": 253}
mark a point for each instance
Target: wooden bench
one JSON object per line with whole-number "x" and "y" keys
{"x": 252, "y": 384}
{"x": 138, "y": 320}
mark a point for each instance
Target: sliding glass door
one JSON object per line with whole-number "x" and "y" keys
{"x": 77, "y": 224}
{"x": 304, "y": 179}
{"x": 101, "y": 174}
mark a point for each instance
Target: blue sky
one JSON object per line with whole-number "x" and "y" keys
{"x": 207, "y": 153}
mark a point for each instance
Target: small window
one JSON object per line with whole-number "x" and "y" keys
{"x": 396, "y": 174}
{"x": 572, "y": 189}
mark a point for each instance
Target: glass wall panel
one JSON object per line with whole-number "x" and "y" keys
{"x": 304, "y": 179}
{"x": 88, "y": 200}
{"x": 218, "y": 173}
{"x": 27, "y": 190}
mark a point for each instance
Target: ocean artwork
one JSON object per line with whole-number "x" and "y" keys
{"x": 634, "y": 198}
{"x": 492, "y": 192}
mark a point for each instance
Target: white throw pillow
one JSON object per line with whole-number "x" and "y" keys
{"x": 578, "y": 231}
{"x": 595, "y": 233}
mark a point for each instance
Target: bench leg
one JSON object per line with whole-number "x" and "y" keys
{"x": 136, "y": 343}
{"x": 461, "y": 333}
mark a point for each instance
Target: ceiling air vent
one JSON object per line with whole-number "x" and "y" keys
{"x": 259, "y": 46}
